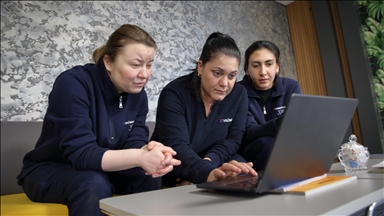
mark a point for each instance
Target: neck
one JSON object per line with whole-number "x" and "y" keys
{"x": 209, "y": 104}
{"x": 207, "y": 100}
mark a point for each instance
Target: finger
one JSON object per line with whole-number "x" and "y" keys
{"x": 230, "y": 167}
{"x": 168, "y": 149}
{"x": 250, "y": 169}
{"x": 165, "y": 149}
{"x": 253, "y": 172}
{"x": 156, "y": 175}
{"x": 170, "y": 160}
{"x": 230, "y": 174}
{"x": 175, "y": 162}
{"x": 219, "y": 174}
{"x": 155, "y": 142}
{"x": 167, "y": 158}
{"x": 151, "y": 145}
{"x": 245, "y": 167}
{"x": 165, "y": 170}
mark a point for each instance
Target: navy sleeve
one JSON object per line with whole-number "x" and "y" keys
{"x": 69, "y": 113}
{"x": 224, "y": 150}
{"x": 139, "y": 133}
{"x": 256, "y": 129}
{"x": 296, "y": 88}
{"x": 173, "y": 131}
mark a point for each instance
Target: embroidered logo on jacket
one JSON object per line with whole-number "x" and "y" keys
{"x": 130, "y": 124}
{"x": 280, "y": 110}
{"x": 226, "y": 120}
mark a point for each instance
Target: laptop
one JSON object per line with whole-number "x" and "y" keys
{"x": 310, "y": 134}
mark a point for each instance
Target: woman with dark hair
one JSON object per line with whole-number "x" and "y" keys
{"x": 268, "y": 95}
{"x": 94, "y": 141}
{"x": 202, "y": 116}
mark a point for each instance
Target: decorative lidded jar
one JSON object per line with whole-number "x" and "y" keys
{"x": 353, "y": 156}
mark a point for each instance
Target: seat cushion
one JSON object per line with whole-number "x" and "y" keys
{"x": 20, "y": 204}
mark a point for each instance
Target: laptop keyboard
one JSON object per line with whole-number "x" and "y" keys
{"x": 250, "y": 182}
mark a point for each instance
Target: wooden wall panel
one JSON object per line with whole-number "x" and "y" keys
{"x": 306, "y": 49}
{"x": 307, "y": 52}
{"x": 345, "y": 66}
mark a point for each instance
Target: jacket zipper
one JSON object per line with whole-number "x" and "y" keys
{"x": 111, "y": 125}
{"x": 264, "y": 111}
{"x": 121, "y": 102}
{"x": 111, "y": 129}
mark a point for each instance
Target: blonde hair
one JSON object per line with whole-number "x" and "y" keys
{"x": 122, "y": 36}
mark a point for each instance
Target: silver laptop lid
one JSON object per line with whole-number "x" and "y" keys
{"x": 312, "y": 129}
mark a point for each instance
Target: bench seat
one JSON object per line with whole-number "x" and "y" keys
{"x": 13, "y": 148}
{"x": 20, "y": 204}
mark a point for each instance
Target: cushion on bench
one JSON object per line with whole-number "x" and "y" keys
{"x": 20, "y": 204}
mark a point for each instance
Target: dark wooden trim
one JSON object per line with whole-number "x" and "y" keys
{"x": 345, "y": 66}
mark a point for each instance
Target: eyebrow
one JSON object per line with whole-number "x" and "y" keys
{"x": 219, "y": 68}
{"x": 269, "y": 60}
{"x": 140, "y": 60}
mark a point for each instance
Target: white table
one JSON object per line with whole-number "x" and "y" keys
{"x": 189, "y": 200}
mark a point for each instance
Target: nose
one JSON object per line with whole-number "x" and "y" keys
{"x": 263, "y": 70}
{"x": 144, "y": 73}
{"x": 223, "y": 81}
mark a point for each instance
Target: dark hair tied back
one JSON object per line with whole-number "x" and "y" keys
{"x": 216, "y": 44}
{"x": 219, "y": 44}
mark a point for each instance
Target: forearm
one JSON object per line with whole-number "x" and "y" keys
{"x": 197, "y": 173}
{"x": 256, "y": 131}
{"x": 116, "y": 160}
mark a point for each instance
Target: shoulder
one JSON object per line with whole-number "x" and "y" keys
{"x": 75, "y": 79}
{"x": 238, "y": 93}
{"x": 244, "y": 81}
{"x": 79, "y": 72}
{"x": 288, "y": 82}
{"x": 180, "y": 84}
{"x": 239, "y": 88}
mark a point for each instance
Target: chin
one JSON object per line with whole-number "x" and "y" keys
{"x": 134, "y": 91}
{"x": 220, "y": 98}
{"x": 263, "y": 87}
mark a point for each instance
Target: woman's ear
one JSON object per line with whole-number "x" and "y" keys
{"x": 108, "y": 63}
{"x": 199, "y": 67}
{"x": 278, "y": 68}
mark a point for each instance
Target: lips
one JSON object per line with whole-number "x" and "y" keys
{"x": 221, "y": 91}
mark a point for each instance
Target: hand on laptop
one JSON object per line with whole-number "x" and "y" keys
{"x": 233, "y": 168}
{"x": 165, "y": 153}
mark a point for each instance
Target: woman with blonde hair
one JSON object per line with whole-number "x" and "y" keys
{"x": 94, "y": 141}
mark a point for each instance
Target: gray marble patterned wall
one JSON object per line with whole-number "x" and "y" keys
{"x": 41, "y": 39}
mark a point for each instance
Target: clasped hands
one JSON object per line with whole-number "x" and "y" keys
{"x": 157, "y": 159}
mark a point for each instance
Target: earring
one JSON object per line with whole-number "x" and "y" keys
{"x": 199, "y": 75}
